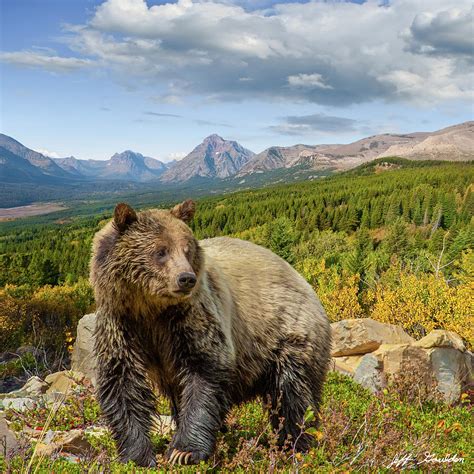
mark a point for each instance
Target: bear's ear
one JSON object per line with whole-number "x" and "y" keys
{"x": 124, "y": 215}
{"x": 185, "y": 210}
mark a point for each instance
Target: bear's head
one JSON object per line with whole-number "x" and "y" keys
{"x": 153, "y": 252}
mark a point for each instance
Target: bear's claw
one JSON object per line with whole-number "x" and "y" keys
{"x": 180, "y": 457}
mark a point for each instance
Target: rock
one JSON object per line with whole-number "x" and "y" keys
{"x": 62, "y": 382}
{"x": 33, "y": 387}
{"x": 445, "y": 366}
{"x": 83, "y": 355}
{"x": 469, "y": 368}
{"x": 369, "y": 373}
{"x": 403, "y": 359}
{"x": 8, "y": 440}
{"x": 18, "y": 404}
{"x": 449, "y": 370}
{"x": 73, "y": 441}
{"x": 361, "y": 336}
{"x": 440, "y": 338}
{"x": 345, "y": 364}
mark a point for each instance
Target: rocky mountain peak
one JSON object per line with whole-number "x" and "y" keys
{"x": 215, "y": 157}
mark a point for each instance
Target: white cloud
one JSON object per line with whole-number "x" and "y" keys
{"x": 177, "y": 155}
{"x": 49, "y": 153}
{"x": 330, "y": 53}
{"x": 308, "y": 80}
{"x": 43, "y": 60}
{"x": 448, "y": 32}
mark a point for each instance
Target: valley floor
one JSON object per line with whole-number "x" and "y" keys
{"x": 18, "y": 212}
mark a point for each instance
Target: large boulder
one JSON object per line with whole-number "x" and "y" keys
{"x": 361, "y": 336}
{"x": 398, "y": 359}
{"x": 62, "y": 384}
{"x": 469, "y": 367}
{"x": 72, "y": 441}
{"x": 441, "y": 338}
{"x": 374, "y": 353}
{"x": 449, "y": 370}
{"x": 345, "y": 364}
{"x": 83, "y": 355}
{"x": 34, "y": 387}
{"x": 369, "y": 373}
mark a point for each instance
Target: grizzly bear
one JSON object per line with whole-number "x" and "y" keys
{"x": 209, "y": 324}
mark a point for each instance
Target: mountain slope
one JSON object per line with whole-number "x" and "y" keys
{"x": 213, "y": 158}
{"x": 277, "y": 157}
{"x": 454, "y": 143}
{"x": 15, "y": 169}
{"x": 45, "y": 164}
{"x": 132, "y": 166}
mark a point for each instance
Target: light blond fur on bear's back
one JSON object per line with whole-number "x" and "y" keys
{"x": 273, "y": 301}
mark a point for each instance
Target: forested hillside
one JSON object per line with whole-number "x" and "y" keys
{"x": 391, "y": 240}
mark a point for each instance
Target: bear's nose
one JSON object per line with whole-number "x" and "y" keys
{"x": 186, "y": 280}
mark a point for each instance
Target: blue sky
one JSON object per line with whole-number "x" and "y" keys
{"x": 90, "y": 77}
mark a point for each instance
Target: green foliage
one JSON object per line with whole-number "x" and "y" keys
{"x": 281, "y": 238}
{"x": 357, "y": 431}
{"x": 19, "y": 365}
{"x": 78, "y": 410}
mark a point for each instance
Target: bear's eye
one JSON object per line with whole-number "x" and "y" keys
{"x": 161, "y": 254}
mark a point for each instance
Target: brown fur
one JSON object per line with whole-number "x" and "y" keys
{"x": 251, "y": 326}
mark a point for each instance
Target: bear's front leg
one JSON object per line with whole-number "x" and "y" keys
{"x": 202, "y": 409}
{"x": 124, "y": 393}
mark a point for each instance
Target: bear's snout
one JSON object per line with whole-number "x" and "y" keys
{"x": 186, "y": 281}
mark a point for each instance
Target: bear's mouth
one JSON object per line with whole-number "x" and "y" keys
{"x": 181, "y": 293}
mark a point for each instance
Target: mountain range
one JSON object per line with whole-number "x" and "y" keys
{"x": 127, "y": 165}
{"x": 216, "y": 158}
{"x": 455, "y": 143}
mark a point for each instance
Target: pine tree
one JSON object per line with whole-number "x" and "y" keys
{"x": 281, "y": 238}
{"x": 397, "y": 239}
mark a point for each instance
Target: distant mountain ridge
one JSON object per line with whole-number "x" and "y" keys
{"x": 127, "y": 165}
{"x": 45, "y": 165}
{"x": 455, "y": 143}
{"x": 217, "y": 158}
{"x": 21, "y": 164}
{"x": 213, "y": 158}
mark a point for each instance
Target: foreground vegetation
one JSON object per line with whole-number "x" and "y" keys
{"x": 358, "y": 432}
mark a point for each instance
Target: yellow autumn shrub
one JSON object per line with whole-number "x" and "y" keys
{"x": 337, "y": 292}
{"x": 421, "y": 303}
{"x": 46, "y": 316}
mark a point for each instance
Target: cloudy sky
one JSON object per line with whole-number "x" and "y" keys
{"x": 92, "y": 77}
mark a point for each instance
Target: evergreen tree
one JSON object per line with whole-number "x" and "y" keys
{"x": 281, "y": 238}
{"x": 396, "y": 241}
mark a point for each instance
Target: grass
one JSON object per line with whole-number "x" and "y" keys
{"x": 358, "y": 432}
